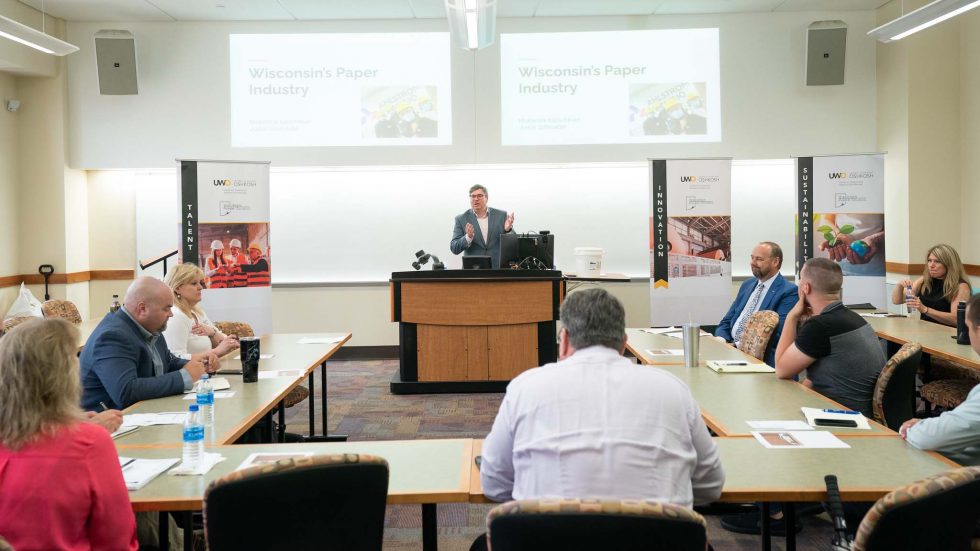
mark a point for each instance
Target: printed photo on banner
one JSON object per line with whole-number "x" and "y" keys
{"x": 672, "y": 108}
{"x": 856, "y": 241}
{"x": 235, "y": 255}
{"x": 399, "y": 112}
{"x": 697, "y": 246}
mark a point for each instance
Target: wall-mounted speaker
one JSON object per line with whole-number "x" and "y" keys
{"x": 825, "y": 42}
{"x": 115, "y": 54}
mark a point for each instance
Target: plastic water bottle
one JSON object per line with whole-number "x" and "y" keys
{"x": 114, "y": 305}
{"x": 205, "y": 400}
{"x": 913, "y": 312}
{"x": 193, "y": 439}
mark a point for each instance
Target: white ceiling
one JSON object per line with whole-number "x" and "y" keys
{"x": 290, "y": 10}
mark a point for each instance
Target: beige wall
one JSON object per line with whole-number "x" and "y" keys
{"x": 928, "y": 121}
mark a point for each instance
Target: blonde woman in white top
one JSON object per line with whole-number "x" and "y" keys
{"x": 190, "y": 331}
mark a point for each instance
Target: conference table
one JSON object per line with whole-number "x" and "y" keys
{"x": 867, "y": 470}
{"x": 936, "y": 339}
{"x": 729, "y": 400}
{"x": 423, "y": 472}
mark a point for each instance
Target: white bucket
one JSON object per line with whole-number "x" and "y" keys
{"x": 588, "y": 261}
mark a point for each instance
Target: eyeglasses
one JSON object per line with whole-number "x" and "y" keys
{"x": 477, "y": 196}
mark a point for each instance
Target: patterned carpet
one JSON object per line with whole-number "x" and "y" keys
{"x": 361, "y": 406}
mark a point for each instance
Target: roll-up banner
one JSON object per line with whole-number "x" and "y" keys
{"x": 225, "y": 231}
{"x": 842, "y": 217}
{"x": 690, "y": 240}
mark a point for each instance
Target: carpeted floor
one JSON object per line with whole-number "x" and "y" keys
{"x": 361, "y": 406}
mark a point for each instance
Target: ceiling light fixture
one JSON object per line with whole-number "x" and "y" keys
{"x": 922, "y": 18}
{"x": 34, "y": 38}
{"x": 472, "y": 23}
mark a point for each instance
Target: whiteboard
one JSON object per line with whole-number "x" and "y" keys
{"x": 359, "y": 224}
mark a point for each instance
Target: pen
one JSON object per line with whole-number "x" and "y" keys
{"x": 127, "y": 463}
{"x": 735, "y": 363}
{"x": 104, "y": 407}
{"x": 841, "y": 411}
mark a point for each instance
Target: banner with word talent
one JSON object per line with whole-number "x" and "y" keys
{"x": 690, "y": 241}
{"x": 841, "y": 216}
{"x": 225, "y": 230}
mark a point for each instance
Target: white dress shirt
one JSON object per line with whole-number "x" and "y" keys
{"x": 596, "y": 425}
{"x": 178, "y": 335}
{"x": 484, "y": 224}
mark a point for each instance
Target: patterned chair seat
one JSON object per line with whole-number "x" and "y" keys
{"x": 758, "y": 332}
{"x": 61, "y": 309}
{"x": 941, "y": 368}
{"x": 894, "y": 392}
{"x": 947, "y": 393}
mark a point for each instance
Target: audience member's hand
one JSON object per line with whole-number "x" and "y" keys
{"x": 470, "y": 232}
{"x": 914, "y": 304}
{"x": 904, "y": 429}
{"x": 195, "y": 368}
{"x": 801, "y": 308}
{"x": 225, "y": 346}
{"x": 509, "y": 222}
{"x": 904, "y": 284}
{"x": 111, "y": 419}
{"x": 202, "y": 330}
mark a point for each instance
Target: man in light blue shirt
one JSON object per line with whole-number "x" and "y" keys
{"x": 956, "y": 433}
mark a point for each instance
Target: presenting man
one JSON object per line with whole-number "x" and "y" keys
{"x": 126, "y": 360}
{"x": 477, "y": 231}
{"x": 955, "y": 433}
{"x": 768, "y": 290}
{"x": 838, "y": 349}
{"x": 595, "y": 424}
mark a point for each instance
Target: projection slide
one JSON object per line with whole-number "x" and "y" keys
{"x": 308, "y": 90}
{"x": 658, "y": 86}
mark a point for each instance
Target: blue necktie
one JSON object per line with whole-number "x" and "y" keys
{"x": 749, "y": 310}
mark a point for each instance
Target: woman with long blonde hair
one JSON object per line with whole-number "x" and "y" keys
{"x": 944, "y": 283}
{"x": 60, "y": 482}
{"x": 190, "y": 331}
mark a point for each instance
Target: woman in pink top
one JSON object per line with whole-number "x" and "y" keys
{"x": 60, "y": 482}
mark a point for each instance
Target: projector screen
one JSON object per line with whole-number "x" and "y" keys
{"x": 656, "y": 86}
{"x": 308, "y": 90}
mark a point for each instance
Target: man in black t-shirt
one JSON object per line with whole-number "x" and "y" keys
{"x": 839, "y": 350}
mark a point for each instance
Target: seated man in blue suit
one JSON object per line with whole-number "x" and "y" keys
{"x": 766, "y": 291}
{"x": 126, "y": 360}
{"x": 477, "y": 231}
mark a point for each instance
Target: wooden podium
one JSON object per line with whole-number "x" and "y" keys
{"x": 472, "y": 330}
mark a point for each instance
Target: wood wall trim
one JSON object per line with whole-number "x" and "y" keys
{"x": 917, "y": 269}
{"x": 74, "y": 277}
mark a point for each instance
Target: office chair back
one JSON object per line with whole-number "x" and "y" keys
{"x": 320, "y": 502}
{"x": 235, "y": 328}
{"x": 758, "y": 332}
{"x": 893, "y": 401}
{"x": 571, "y": 524}
{"x": 61, "y": 309}
{"x": 936, "y": 514}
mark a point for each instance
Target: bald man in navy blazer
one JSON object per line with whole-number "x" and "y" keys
{"x": 477, "y": 231}
{"x": 777, "y": 294}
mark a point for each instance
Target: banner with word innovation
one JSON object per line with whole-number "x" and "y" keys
{"x": 224, "y": 213}
{"x": 841, "y": 216}
{"x": 690, "y": 240}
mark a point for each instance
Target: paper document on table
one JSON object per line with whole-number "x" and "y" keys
{"x": 277, "y": 374}
{"x": 837, "y": 418}
{"x": 779, "y": 425}
{"x": 264, "y": 458}
{"x": 139, "y": 472}
{"x": 883, "y": 315}
{"x": 261, "y": 356}
{"x": 738, "y": 366}
{"x": 319, "y": 340}
{"x": 798, "y": 439}
{"x": 124, "y": 430}
{"x": 219, "y": 394}
{"x": 162, "y": 418}
{"x": 208, "y": 461}
{"x": 665, "y": 351}
{"x": 218, "y": 383}
{"x": 676, "y": 332}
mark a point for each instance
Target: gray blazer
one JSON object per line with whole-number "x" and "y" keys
{"x": 491, "y": 247}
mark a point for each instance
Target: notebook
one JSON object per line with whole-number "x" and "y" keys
{"x": 738, "y": 366}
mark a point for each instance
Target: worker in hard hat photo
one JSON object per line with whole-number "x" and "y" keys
{"x": 217, "y": 266}
{"x": 257, "y": 272}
